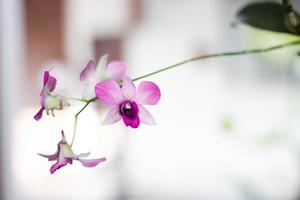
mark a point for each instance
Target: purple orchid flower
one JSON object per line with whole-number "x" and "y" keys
{"x": 48, "y": 101}
{"x": 93, "y": 74}
{"x": 65, "y": 155}
{"x": 128, "y": 101}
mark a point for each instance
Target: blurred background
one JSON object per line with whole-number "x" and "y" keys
{"x": 228, "y": 128}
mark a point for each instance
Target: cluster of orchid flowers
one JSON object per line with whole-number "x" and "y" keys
{"x": 108, "y": 83}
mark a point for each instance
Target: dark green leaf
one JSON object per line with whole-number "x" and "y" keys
{"x": 267, "y": 16}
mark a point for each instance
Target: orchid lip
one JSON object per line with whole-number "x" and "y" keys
{"x": 129, "y": 112}
{"x": 128, "y": 109}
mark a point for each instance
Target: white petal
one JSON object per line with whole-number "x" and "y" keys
{"x": 112, "y": 116}
{"x": 100, "y": 69}
{"x": 145, "y": 116}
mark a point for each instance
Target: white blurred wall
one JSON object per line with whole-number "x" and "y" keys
{"x": 11, "y": 82}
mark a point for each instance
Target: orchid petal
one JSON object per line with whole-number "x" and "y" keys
{"x": 109, "y": 92}
{"x": 39, "y": 114}
{"x": 51, "y": 83}
{"x": 89, "y": 92}
{"x": 115, "y": 70}
{"x": 50, "y": 157}
{"x": 128, "y": 88}
{"x": 46, "y": 77}
{"x": 69, "y": 160}
{"x": 148, "y": 93}
{"x": 83, "y": 155}
{"x": 132, "y": 122}
{"x": 42, "y": 100}
{"x": 53, "y": 156}
{"x": 100, "y": 69}
{"x": 58, "y": 165}
{"x": 112, "y": 116}
{"x": 91, "y": 162}
{"x": 88, "y": 71}
{"x": 145, "y": 116}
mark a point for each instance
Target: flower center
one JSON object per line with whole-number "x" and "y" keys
{"x": 128, "y": 109}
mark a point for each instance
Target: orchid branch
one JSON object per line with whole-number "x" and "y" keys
{"x": 76, "y": 118}
{"x": 224, "y": 54}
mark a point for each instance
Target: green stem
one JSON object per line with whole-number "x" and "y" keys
{"x": 224, "y": 54}
{"x": 76, "y": 118}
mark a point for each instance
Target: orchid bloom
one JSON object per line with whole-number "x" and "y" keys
{"x": 65, "y": 155}
{"x": 128, "y": 101}
{"x": 93, "y": 74}
{"x": 48, "y": 101}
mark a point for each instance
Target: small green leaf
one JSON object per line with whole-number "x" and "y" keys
{"x": 268, "y": 16}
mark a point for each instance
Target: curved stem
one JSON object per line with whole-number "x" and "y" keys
{"x": 76, "y": 118}
{"x": 224, "y": 54}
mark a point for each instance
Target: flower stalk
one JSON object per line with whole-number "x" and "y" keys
{"x": 76, "y": 118}
{"x": 224, "y": 54}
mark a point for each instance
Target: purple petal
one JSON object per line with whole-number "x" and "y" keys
{"x": 58, "y": 165}
{"x": 43, "y": 100}
{"x": 69, "y": 160}
{"x": 145, "y": 116}
{"x": 128, "y": 88}
{"x": 91, "y": 162}
{"x": 51, "y": 83}
{"x": 148, "y": 93}
{"x": 132, "y": 122}
{"x": 115, "y": 70}
{"x": 53, "y": 156}
{"x": 50, "y": 157}
{"x": 46, "y": 77}
{"x": 112, "y": 116}
{"x": 39, "y": 115}
{"x": 88, "y": 71}
{"x": 109, "y": 92}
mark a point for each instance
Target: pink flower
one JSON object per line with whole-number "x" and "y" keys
{"x": 48, "y": 101}
{"x": 65, "y": 155}
{"x": 128, "y": 101}
{"x": 93, "y": 74}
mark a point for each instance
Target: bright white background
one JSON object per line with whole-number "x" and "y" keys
{"x": 189, "y": 154}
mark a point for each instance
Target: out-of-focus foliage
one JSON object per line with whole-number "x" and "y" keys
{"x": 271, "y": 16}
{"x": 282, "y": 58}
